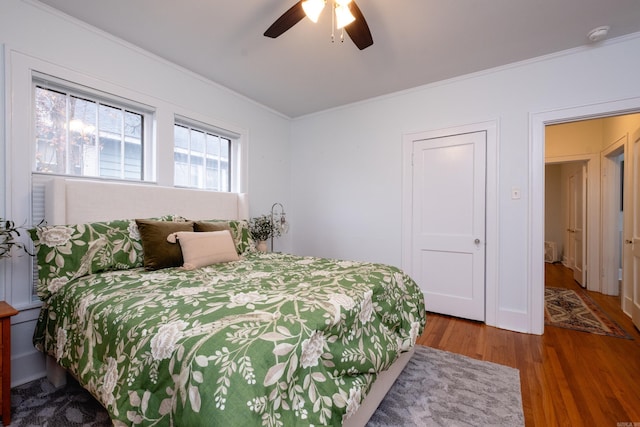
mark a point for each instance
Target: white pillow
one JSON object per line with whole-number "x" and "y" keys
{"x": 200, "y": 249}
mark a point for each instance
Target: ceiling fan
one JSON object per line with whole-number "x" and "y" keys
{"x": 347, "y": 13}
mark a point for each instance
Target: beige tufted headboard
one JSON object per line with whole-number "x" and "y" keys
{"x": 75, "y": 201}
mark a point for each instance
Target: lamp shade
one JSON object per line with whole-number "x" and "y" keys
{"x": 343, "y": 15}
{"x": 313, "y": 8}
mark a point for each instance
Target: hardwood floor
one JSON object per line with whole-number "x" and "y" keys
{"x": 568, "y": 378}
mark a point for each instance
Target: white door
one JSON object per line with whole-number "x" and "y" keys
{"x": 576, "y": 221}
{"x": 631, "y": 249}
{"x": 579, "y": 222}
{"x": 448, "y": 223}
{"x": 571, "y": 220}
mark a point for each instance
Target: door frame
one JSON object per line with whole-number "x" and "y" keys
{"x": 579, "y": 212}
{"x": 592, "y": 243}
{"x": 611, "y": 199}
{"x": 630, "y": 284}
{"x": 491, "y": 206}
{"x": 537, "y": 123}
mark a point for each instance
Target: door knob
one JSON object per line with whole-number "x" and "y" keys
{"x": 628, "y": 242}
{"x": 477, "y": 241}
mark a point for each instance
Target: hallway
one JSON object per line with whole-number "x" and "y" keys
{"x": 558, "y": 276}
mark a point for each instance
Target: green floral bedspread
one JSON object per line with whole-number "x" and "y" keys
{"x": 272, "y": 340}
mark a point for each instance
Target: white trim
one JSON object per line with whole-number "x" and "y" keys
{"x": 492, "y": 309}
{"x": 537, "y": 123}
{"x": 47, "y": 81}
{"x": 610, "y": 208}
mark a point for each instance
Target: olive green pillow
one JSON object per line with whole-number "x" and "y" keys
{"x": 239, "y": 232}
{"x": 157, "y": 252}
{"x": 208, "y": 226}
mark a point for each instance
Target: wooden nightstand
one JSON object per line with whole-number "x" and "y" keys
{"x": 6, "y": 311}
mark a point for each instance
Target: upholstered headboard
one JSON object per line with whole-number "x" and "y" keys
{"x": 75, "y": 201}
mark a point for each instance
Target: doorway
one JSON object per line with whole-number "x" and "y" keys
{"x": 539, "y": 123}
{"x": 567, "y": 216}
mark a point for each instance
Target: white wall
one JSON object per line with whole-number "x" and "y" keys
{"x": 33, "y": 34}
{"x": 347, "y": 162}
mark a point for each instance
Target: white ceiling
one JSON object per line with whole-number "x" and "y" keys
{"x": 416, "y": 42}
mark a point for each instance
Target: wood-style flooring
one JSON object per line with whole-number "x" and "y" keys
{"x": 568, "y": 378}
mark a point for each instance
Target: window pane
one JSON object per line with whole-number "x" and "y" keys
{"x": 180, "y": 137}
{"x": 51, "y": 131}
{"x": 133, "y": 161}
{"x": 181, "y": 156}
{"x": 197, "y": 142}
{"x": 225, "y": 147}
{"x": 197, "y": 171}
{"x": 201, "y": 159}
{"x": 133, "y": 125}
{"x": 76, "y": 135}
{"x": 181, "y": 169}
{"x": 213, "y": 161}
{"x": 110, "y": 156}
{"x": 213, "y": 145}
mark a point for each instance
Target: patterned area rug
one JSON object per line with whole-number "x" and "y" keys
{"x": 569, "y": 309}
{"x": 436, "y": 388}
{"x": 39, "y": 403}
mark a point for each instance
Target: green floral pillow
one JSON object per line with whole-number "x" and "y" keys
{"x": 239, "y": 231}
{"x": 65, "y": 252}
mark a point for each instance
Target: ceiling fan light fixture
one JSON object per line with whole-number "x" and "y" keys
{"x": 343, "y": 15}
{"x": 343, "y": 12}
{"x": 313, "y": 8}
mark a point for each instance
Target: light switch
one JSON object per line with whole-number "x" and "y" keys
{"x": 515, "y": 193}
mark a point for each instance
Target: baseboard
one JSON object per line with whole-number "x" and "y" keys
{"x": 514, "y": 320}
{"x": 27, "y": 367}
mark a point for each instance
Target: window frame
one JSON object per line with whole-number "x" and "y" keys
{"x": 148, "y": 113}
{"x": 235, "y": 138}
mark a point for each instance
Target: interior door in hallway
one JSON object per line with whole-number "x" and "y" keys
{"x": 448, "y": 223}
{"x": 631, "y": 251}
{"x": 577, "y": 222}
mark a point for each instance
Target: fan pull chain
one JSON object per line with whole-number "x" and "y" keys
{"x": 333, "y": 25}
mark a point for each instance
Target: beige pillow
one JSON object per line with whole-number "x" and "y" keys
{"x": 200, "y": 249}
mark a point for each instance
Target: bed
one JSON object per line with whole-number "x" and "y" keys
{"x": 255, "y": 339}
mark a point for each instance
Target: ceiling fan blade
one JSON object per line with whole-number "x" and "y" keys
{"x": 358, "y": 30}
{"x": 288, "y": 19}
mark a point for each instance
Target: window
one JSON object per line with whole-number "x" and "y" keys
{"x": 87, "y": 133}
{"x": 201, "y": 158}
